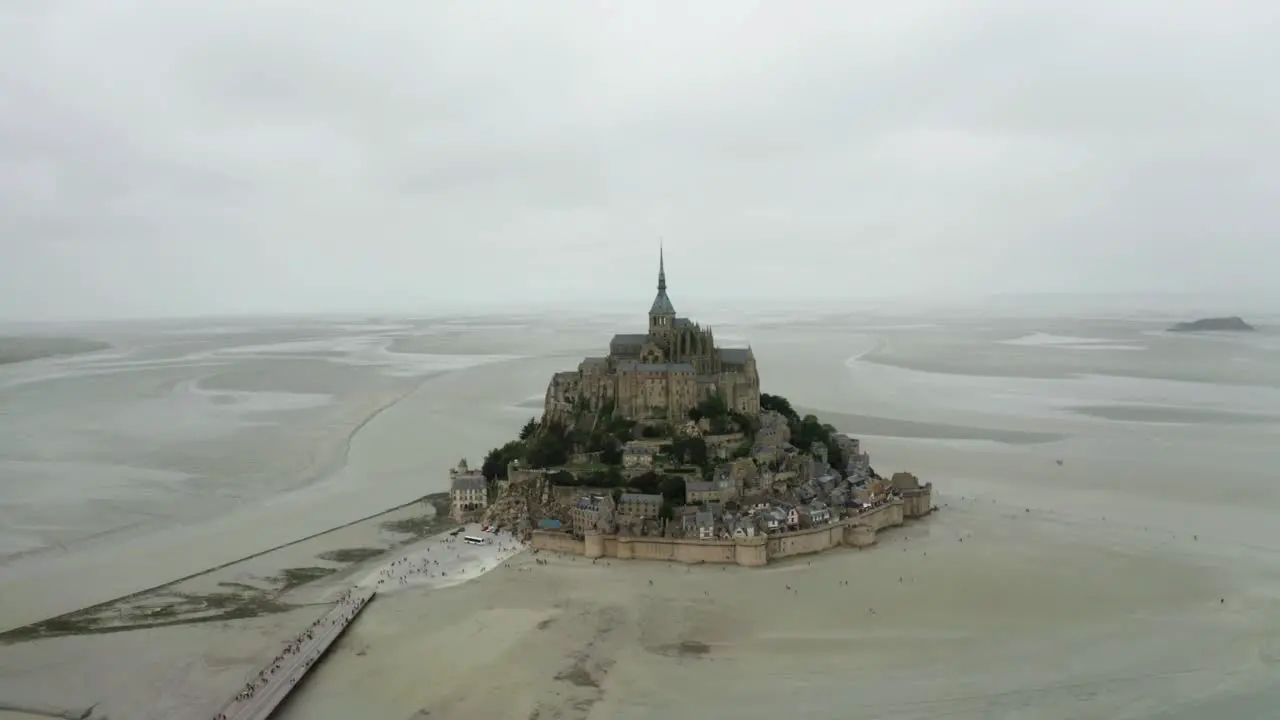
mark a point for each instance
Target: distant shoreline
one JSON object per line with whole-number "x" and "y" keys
{"x": 24, "y": 348}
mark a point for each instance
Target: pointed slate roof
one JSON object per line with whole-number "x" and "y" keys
{"x": 662, "y": 304}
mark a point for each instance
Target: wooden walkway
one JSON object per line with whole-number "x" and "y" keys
{"x": 269, "y": 694}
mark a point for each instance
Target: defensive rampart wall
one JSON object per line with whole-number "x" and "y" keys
{"x": 859, "y": 531}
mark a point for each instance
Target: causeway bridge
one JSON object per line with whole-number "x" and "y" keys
{"x": 269, "y": 689}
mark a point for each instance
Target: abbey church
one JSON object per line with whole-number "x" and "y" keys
{"x": 658, "y": 376}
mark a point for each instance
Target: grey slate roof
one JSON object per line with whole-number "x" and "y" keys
{"x": 468, "y": 481}
{"x": 699, "y": 486}
{"x": 735, "y": 356}
{"x": 588, "y": 502}
{"x": 655, "y": 367}
{"x": 683, "y": 322}
{"x": 629, "y": 339}
{"x": 642, "y": 498}
{"x": 662, "y": 305}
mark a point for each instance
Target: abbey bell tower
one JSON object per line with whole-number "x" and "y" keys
{"x": 662, "y": 315}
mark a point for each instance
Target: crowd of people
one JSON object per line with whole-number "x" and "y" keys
{"x": 347, "y": 606}
{"x": 401, "y": 571}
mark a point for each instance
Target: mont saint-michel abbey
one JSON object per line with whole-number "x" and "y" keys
{"x": 660, "y": 375}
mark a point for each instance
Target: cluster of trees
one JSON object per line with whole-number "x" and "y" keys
{"x": 806, "y": 430}
{"x": 552, "y": 444}
{"x": 723, "y": 420}
{"x": 538, "y": 445}
{"x": 610, "y": 477}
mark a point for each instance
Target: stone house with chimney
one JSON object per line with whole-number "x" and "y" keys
{"x": 640, "y": 505}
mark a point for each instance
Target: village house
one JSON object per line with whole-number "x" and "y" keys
{"x": 814, "y": 514}
{"x": 584, "y": 513}
{"x": 640, "y": 505}
{"x": 638, "y": 455}
{"x": 706, "y": 524}
{"x": 468, "y": 491}
{"x": 793, "y": 516}
{"x": 774, "y": 520}
{"x": 687, "y": 519}
{"x": 766, "y": 454}
{"x": 740, "y": 526}
{"x": 722, "y": 447}
{"x": 696, "y": 493}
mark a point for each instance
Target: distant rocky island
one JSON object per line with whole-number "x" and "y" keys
{"x": 666, "y": 449}
{"x": 1232, "y": 323}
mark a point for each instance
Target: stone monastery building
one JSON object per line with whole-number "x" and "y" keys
{"x": 660, "y": 375}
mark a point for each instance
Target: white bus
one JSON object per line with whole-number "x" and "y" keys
{"x": 473, "y": 539}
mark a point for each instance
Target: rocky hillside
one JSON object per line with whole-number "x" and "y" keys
{"x": 528, "y": 498}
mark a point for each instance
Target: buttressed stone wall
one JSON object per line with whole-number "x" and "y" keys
{"x": 755, "y": 551}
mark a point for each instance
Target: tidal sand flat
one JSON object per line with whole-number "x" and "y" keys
{"x": 202, "y": 636}
{"x": 985, "y": 611}
{"x": 1134, "y": 579}
{"x": 251, "y": 486}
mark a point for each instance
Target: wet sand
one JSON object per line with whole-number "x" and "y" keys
{"x": 982, "y": 611}
{"x": 1090, "y": 589}
{"x": 189, "y": 670}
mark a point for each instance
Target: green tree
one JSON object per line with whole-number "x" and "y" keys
{"x": 550, "y": 447}
{"x": 655, "y": 431}
{"x": 672, "y": 488}
{"x": 548, "y": 451}
{"x": 646, "y": 482}
{"x": 613, "y": 476}
{"x": 622, "y": 429}
{"x": 713, "y": 406}
{"x": 495, "y": 463}
{"x": 611, "y": 451}
{"x": 744, "y": 423}
{"x": 563, "y": 477}
{"x": 778, "y": 404}
{"x": 529, "y": 429}
{"x": 696, "y": 449}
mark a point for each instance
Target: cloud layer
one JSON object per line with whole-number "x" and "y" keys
{"x": 166, "y": 157}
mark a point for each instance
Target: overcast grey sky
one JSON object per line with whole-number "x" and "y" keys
{"x": 170, "y": 157}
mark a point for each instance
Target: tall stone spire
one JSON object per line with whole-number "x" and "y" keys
{"x": 661, "y": 313}
{"x": 662, "y": 271}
